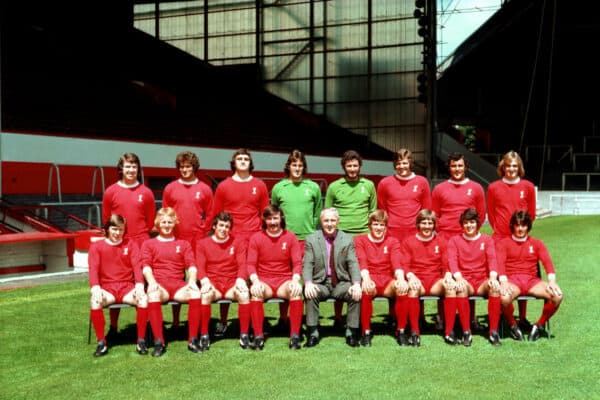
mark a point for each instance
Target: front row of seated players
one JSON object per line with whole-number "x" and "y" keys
{"x": 423, "y": 264}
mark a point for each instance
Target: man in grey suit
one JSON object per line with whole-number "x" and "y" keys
{"x": 337, "y": 277}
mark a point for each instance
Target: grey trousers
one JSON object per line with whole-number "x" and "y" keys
{"x": 339, "y": 292}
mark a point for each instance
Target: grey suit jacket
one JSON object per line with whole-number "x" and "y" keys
{"x": 314, "y": 263}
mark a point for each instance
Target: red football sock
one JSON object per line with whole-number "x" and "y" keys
{"x": 141, "y": 320}
{"x": 98, "y": 322}
{"x": 462, "y": 303}
{"x": 508, "y": 311}
{"x": 204, "y": 318}
{"x": 522, "y": 309}
{"x": 494, "y": 312}
{"x": 401, "y": 309}
{"x": 337, "y": 309}
{"x": 449, "y": 313}
{"x": 194, "y": 309}
{"x": 366, "y": 312}
{"x": 283, "y": 310}
{"x": 114, "y": 317}
{"x": 156, "y": 320}
{"x": 224, "y": 309}
{"x": 244, "y": 316}
{"x": 547, "y": 312}
{"x": 257, "y": 313}
{"x": 414, "y": 311}
{"x": 296, "y": 311}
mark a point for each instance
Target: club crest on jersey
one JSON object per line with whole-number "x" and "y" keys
{"x": 415, "y": 188}
{"x": 531, "y": 250}
{"x": 482, "y": 246}
{"x": 177, "y": 249}
{"x": 436, "y": 249}
{"x": 306, "y": 192}
{"x": 125, "y": 251}
{"x": 253, "y": 189}
{"x": 283, "y": 245}
{"x": 469, "y": 192}
{"x": 140, "y": 198}
{"x": 385, "y": 250}
{"x": 362, "y": 189}
{"x": 197, "y": 195}
{"x": 231, "y": 251}
{"x": 522, "y": 194}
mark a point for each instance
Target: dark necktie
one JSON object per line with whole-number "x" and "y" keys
{"x": 334, "y": 278}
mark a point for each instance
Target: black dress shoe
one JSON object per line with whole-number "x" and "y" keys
{"x": 312, "y": 341}
{"x": 352, "y": 341}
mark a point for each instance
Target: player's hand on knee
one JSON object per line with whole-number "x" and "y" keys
{"x": 257, "y": 289}
{"x": 96, "y": 295}
{"x": 311, "y": 290}
{"x": 206, "y": 286}
{"x": 241, "y": 286}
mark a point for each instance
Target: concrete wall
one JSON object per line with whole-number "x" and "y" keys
{"x": 569, "y": 203}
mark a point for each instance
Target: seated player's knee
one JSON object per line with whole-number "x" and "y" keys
{"x": 154, "y": 296}
{"x": 413, "y": 292}
{"x": 208, "y": 297}
{"x": 142, "y": 301}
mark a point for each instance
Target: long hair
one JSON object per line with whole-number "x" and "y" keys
{"x": 511, "y": 155}
{"x": 270, "y": 210}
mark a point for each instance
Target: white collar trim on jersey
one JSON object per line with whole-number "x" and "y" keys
{"x": 407, "y": 178}
{"x": 516, "y": 239}
{"x": 113, "y": 243}
{"x": 372, "y": 239}
{"x": 163, "y": 239}
{"x": 422, "y": 239}
{"x": 236, "y": 178}
{"x": 473, "y": 238}
{"x": 126, "y": 186}
{"x": 188, "y": 182}
{"x": 452, "y": 181}
{"x": 512, "y": 182}
{"x": 276, "y": 235}
{"x": 214, "y": 238}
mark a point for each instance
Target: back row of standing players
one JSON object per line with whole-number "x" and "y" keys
{"x": 402, "y": 195}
